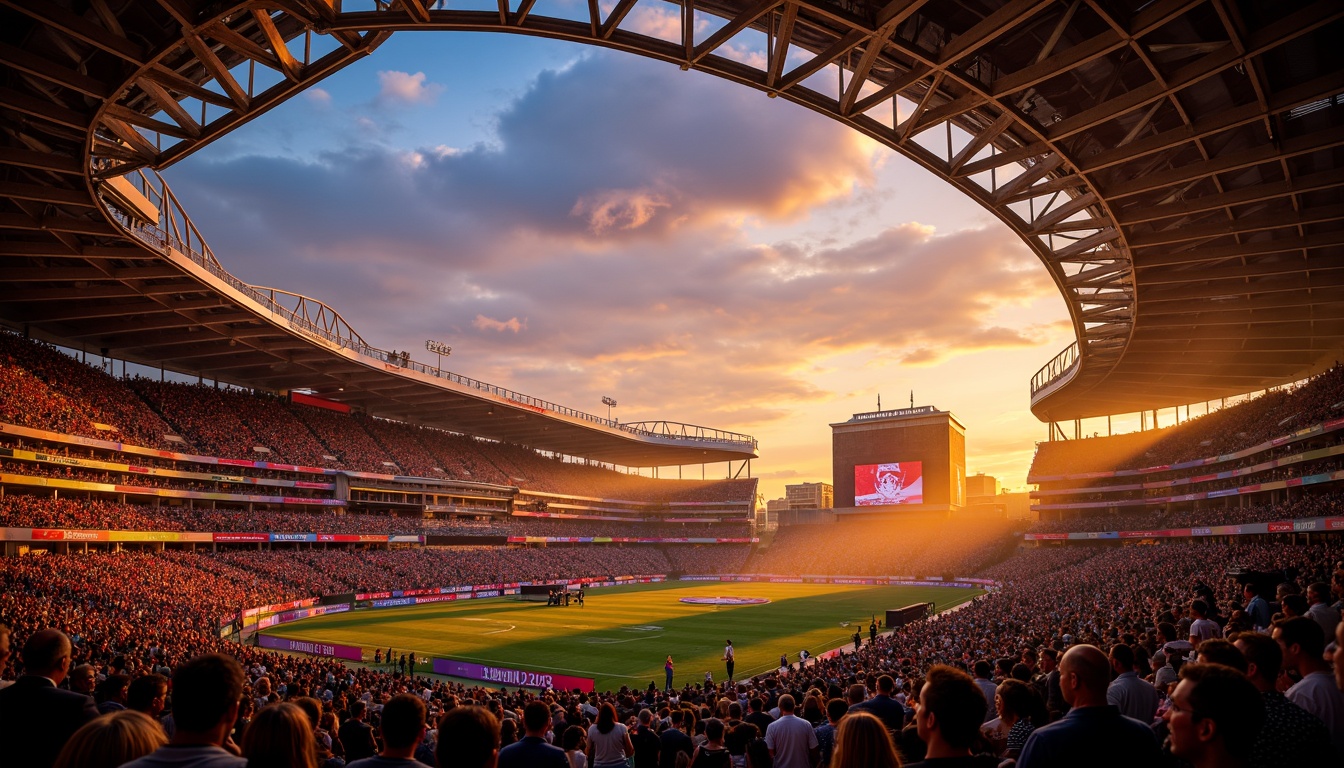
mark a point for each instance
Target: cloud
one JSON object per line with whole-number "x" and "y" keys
{"x": 617, "y": 209}
{"x": 490, "y": 324}
{"x": 405, "y": 88}
{"x": 627, "y": 246}
{"x": 318, "y": 96}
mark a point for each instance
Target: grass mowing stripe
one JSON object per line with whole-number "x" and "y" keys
{"x": 624, "y": 633}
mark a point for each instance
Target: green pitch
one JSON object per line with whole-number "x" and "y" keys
{"x": 623, "y": 633}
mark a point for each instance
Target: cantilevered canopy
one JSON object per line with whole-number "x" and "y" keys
{"x": 1176, "y": 164}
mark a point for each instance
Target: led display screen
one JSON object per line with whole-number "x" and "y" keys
{"x": 898, "y": 483}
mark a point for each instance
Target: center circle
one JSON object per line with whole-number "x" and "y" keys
{"x": 724, "y": 600}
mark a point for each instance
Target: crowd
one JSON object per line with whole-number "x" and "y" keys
{"x": 885, "y": 547}
{"x": 44, "y": 388}
{"x": 1302, "y": 505}
{"x": 1223, "y": 431}
{"x": 26, "y": 511}
{"x": 1085, "y": 656}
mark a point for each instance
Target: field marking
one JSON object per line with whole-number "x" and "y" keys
{"x": 609, "y": 641}
{"x": 510, "y": 628}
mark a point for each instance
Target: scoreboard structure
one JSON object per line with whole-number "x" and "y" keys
{"x": 906, "y": 459}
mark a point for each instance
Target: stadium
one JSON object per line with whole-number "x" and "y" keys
{"x": 266, "y": 540}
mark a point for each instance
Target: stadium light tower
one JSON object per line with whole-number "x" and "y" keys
{"x": 610, "y": 403}
{"x": 440, "y": 349}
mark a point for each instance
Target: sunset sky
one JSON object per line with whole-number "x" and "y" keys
{"x": 578, "y": 223}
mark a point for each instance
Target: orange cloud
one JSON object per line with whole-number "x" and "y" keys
{"x": 489, "y": 324}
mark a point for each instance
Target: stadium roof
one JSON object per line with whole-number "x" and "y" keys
{"x": 1175, "y": 164}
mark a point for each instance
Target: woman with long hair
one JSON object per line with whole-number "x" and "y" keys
{"x": 280, "y": 736}
{"x": 1016, "y": 703}
{"x": 608, "y": 741}
{"x": 111, "y": 740}
{"x": 573, "y": 743}
{"x": 712, "y": 753}
{"x": 862, "y": 741}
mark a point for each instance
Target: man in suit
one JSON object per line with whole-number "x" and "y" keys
{"x": 37, "y": 717}
{"x": 532, "y": 749}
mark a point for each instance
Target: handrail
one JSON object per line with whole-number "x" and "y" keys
{"x": 174, "y": 230}
{"x": 1052, "y": 371}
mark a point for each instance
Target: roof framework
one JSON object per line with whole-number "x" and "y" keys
{"x": 1175, "y": 164}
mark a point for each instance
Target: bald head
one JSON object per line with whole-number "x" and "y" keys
{"x": 47, "y": 653}
{"x": 1088, "y": 672}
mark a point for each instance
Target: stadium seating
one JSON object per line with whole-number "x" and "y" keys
{"x": 1223, "y": 431}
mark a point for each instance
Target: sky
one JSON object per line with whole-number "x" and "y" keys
{"x": 579, "y": 223}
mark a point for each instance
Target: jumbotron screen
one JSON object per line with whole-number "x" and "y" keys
{"x": 899, "y": 483}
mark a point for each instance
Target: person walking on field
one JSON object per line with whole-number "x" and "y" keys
{"x": 667, "y": 669}
{"x": 728, "y": 659}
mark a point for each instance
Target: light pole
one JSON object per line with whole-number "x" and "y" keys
{"x": 610, "y": 403}
{"x": 440, "y": 349}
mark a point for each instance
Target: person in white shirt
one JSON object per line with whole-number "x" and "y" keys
{"x": 1318, "y": 594}
{"x": 1202, "y": 627}
{"x": 1303, "y": 647}
{"x": 791, "y": 740}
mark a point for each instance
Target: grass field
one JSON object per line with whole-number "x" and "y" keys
{"x": 623, "y": 633}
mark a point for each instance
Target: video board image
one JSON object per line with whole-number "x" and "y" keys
{"x": 899, "y": 483}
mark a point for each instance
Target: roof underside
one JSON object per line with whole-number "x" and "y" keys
{"x": 1175, "y": 164}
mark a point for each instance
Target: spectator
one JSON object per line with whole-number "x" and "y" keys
{"x": 148, "y": 694}
{"x": 1093, "y": 733}
{"x": 985, "y": 683}
{"x": 1318, "y": 595}
{"x": 1214, "y": 716}
{"x": 532, "y": 749}
{"x": 1291, "y": 736}
{"x": 5, "y": 636}
{"x": 673, "y": 741}
{"x": 468, "y": 738}
{"x": 1303, "y": 648}
{"x": 886, "y": 708}
{"x": 312, "y": 710}
{"x": 403, "y": 728}
{"x": 1134, "y": 696}
{"x": 757, "y": 715}
{"x": 1017, "y": 704}
{"x": 357, "y": 735}
{"x": 608, "y": 741}
{"x": 948, "y": 719}
{"x": 83, "y": 679}
{"x": 280, "y": 736}
{"x": 645, "y": 741}
{"x": 112, "y": 740}
{"x": 1257, "y": 610}
{"x": 111, "y": 693}
{"x": 712, "y": 753}
{"x": 206, "y": 694}
{"x": 1221, "y": 652}
{"x": 573, "y": 744}
{"x": 36, "y": 717}
{"x": 862, "y": 741}
{"x": 1338, "y": 656}
{"x": 836, "y": 709}
{"x": 792, "y": 742}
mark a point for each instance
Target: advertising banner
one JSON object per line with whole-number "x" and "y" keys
{"x": 56, "y": 534}
{"x": 329, "y": 650}
{"x": 898, "y": 483}
{"x": 511, "y": 677}
{"x": 241, "y": 537}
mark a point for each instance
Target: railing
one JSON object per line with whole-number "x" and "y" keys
{"x": 1056, "y": 369}
{"x": 689, "y": 432}
{"x": 312, "y": 317}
